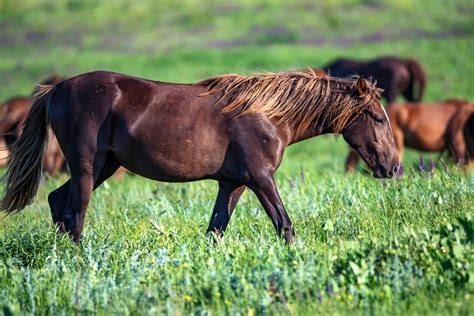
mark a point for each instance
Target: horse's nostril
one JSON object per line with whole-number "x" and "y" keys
{"x": 395, "y": 169}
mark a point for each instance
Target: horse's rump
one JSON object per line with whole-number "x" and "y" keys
{"x": 469, "y": 136}
{"x": 397, "y": 76}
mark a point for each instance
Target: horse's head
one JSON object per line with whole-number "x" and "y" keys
{"x": 370, "y": 133}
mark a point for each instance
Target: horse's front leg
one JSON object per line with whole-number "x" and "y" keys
{"x": 266, "y": 191}
{"x": 351, "y": 161}
{"x": 227, "y": 198}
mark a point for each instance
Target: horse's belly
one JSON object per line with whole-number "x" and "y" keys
{"x": 172, "y": 160}
{"x": 426, "y": 139}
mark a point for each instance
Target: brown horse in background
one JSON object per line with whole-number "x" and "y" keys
{"x": 233, "y": 129}
{"x": 447, "y": 125}
{"x": 397, "y": 76}
{"x": 13, "y": 114}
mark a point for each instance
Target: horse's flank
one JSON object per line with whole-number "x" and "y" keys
{"x": 298, "y": 98}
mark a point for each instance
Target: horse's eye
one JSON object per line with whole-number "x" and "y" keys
{"x": 378, "y": 120}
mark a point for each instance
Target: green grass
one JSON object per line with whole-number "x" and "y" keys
{"x": 363, "y": 245}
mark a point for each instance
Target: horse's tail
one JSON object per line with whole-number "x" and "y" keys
{"x": 25, "y": 163}
{"x": 462, "y": 122}
{"x": 469, "y": 135}
{"x": 418, "y": 78}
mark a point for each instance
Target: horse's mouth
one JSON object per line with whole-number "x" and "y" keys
{"x": 385, "y": 173}
{"x": 378, "y": 174}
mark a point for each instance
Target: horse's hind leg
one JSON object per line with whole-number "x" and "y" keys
{"x": 457, "y": 148}
{"x": 227, "y": 198}
{"x": 57, "y": 202}
{"x": 83, "y": 181}
{"x": 110, "y": 166}
{"x": 80, "y": 191}
{"x": 455, "y": 140}
{"x": 59, "y": 198}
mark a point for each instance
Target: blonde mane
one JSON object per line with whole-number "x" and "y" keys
{"x": 298, "y": 98}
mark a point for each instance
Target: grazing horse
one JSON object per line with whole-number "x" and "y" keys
{"x": 447, "y": 125}
{"x": 12, "y": 116}
{"x": 395, "y": 75}
{"x": 232, "y": 129}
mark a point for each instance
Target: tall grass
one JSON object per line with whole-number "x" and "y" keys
{"x": 360, "y": 243}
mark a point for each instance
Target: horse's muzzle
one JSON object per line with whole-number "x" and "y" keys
{"x": 386, "y": 172}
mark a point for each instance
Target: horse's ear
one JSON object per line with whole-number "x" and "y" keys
{"x": 362, "y": 86}
{"x": 320, "y": 73}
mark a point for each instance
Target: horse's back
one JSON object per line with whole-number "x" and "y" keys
{"x": 98, "y": 94}
{"x": 342, "y": 67}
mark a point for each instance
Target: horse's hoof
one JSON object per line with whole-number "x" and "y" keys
{"x": 60, "y": 226}
{"x": 289, "y": 235}
{"x": 216, "y": 236}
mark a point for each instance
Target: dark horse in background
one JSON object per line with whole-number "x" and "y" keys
{"x": 432, "y": 127}
{"x": 13, "y": 114}
{"x": 232, "y": 129}
{"x": 396, "y": 76}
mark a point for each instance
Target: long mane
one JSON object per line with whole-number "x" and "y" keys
{"x": 298, "y": 98}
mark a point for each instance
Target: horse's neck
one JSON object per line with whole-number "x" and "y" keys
{"x": 313, "y": 131}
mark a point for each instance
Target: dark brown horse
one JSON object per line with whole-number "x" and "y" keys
{"x": 232, "y": 128}
{"x": 395, "y": 75}
{"x": 13, "y": 114}
{"x": 443, "y": 126}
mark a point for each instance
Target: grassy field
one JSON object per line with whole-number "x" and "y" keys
{"x": 364, "y": 245}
